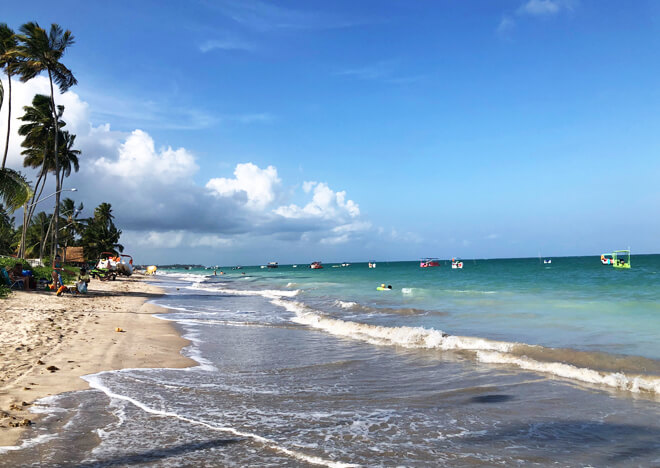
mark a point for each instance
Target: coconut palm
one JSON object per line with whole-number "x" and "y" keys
{"x": 39, "y": 52}
{"x": 38, "y": 133}
{"x": 68, "y": 156}
{"x": 8, "y": 62}
{"x": 14, "y": 189}
{"x": 101, "y": 234}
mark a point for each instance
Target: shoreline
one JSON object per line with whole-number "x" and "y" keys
{"x": 48, "y": 342}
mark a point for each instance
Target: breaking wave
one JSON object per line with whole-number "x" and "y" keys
{"x": 634, "y": 378}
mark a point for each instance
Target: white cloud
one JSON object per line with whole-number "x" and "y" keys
{"x": 344, "y": 233}
{"x": 259, "y": 185}
{"x": 226, "y": 44}
{"x": 158, "y": 204}
{"x": 325, "y": 204}
{"x": 534, "y": 8}
{"x": 540, "y": 7}
{"x": 506, "y": 24}
{"x": 138, "y": 161}
{"x": 174, "y": 239}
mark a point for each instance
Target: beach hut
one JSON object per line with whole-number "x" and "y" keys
{"x": 74, "y": 256}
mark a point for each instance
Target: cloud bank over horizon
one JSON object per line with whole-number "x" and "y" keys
{"x": 158, "y": 204}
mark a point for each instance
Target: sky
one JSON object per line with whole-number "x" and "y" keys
{"x": 231, "y": 132}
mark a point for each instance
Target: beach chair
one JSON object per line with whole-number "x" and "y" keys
{"x": 18, "y": 284}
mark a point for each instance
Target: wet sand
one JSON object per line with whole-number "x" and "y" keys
{"x": 48, "y": 342}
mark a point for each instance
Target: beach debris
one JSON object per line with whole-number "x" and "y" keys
{"x": 22, "y": 423}
{"x": 27, "y": 388}
{"x": 40, "y": 362}
{"x": 120, "y": 330}
{"x": 52, "y": 368}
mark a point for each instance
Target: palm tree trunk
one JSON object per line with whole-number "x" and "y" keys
{"x": 56, "y": 213}
{"x": 28, "y": 211}
{"x": 4, "y": 158}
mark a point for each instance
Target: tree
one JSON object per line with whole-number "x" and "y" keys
{"x": 101, "y": 234}
{"x": 38, "y": 133}
{"x": 8, "y": 62}
{"x": 14, "y": 189}
{"x": 38, "y": 52}
{"x": 7, "y": 232}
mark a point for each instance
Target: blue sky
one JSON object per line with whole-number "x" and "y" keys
{"x": 472, "y": 129}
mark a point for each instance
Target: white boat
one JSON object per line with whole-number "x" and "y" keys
{"x": 372, "y": 264}
{"x": 546, "y": 261}
{"x": 456, "y": 264}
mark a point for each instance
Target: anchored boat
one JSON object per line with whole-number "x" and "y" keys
{"x": 456, "y": 264}
{"x": 606, "y": 259}
{"x": 429, "y": 262}
{"x": 621, "y": 259}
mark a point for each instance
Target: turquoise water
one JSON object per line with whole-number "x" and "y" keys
{"x": 502, "y": 363}
{"x": 574, "y": 302}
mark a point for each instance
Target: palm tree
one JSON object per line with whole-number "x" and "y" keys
{"x": 14, "y": 189}
{"x": 68, "y": 156}
{"x": 101, "y": 234}
{"x": 8, "y": 62}
{"x": 40, "y": 51}
{"x": 38, "y": 133}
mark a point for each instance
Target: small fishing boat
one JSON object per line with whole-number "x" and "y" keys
{"x": 456, "y": 264}
{"x": 345, "y": 264}
{"x": 429, "y": 262}
{"x": 547, "y": 261}
{"x": 316, "y": 266}
{"x": 606, "y": 259}
{"x": 272, "y": 265}
{"x": 621, "y": 259}
{"x": 372, "y": 264}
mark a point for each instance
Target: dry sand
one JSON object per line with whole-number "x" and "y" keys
{"x": 48, "y": 342}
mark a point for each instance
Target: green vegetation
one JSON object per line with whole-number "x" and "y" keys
{"x": 49, "y": 150}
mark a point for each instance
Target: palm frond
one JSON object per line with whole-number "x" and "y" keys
{"x": 15, "y": 190}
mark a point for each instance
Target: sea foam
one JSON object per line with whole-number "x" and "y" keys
{"x": 485, "y": 350}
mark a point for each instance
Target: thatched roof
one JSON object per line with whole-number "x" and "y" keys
{"x": 75, "y": 255}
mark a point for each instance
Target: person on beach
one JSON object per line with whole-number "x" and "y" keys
{"x": 17, "y": 274}
{"x": 58, "y": 284}
{"x": 83, "y": 281}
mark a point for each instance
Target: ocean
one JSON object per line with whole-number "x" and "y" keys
{"x": 504, "y": 362}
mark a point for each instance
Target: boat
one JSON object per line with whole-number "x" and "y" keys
{"x": 345, "y": 264}
{"x": 372, "y": 264}
{"x": 316, "y": 266}
{"x": 429, "y": 262}
{"x": 272, "y": 265}
{"x": 606, "y": 259}
{"x": 125, "y": 265}
{"x": 456, "y": 264}
{"x": 546, "y": 261}
{"x": 621, "y": 259}
{"x": 295, "y": 266}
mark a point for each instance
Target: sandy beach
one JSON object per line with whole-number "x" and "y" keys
{"x": 48, "y": 342}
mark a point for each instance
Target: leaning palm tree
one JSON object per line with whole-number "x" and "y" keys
{"x": 8, "y": 62}
{"x": 40, "y": 51}
{"x": 38, "y": 135}
{"x": 68, "y": 156}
